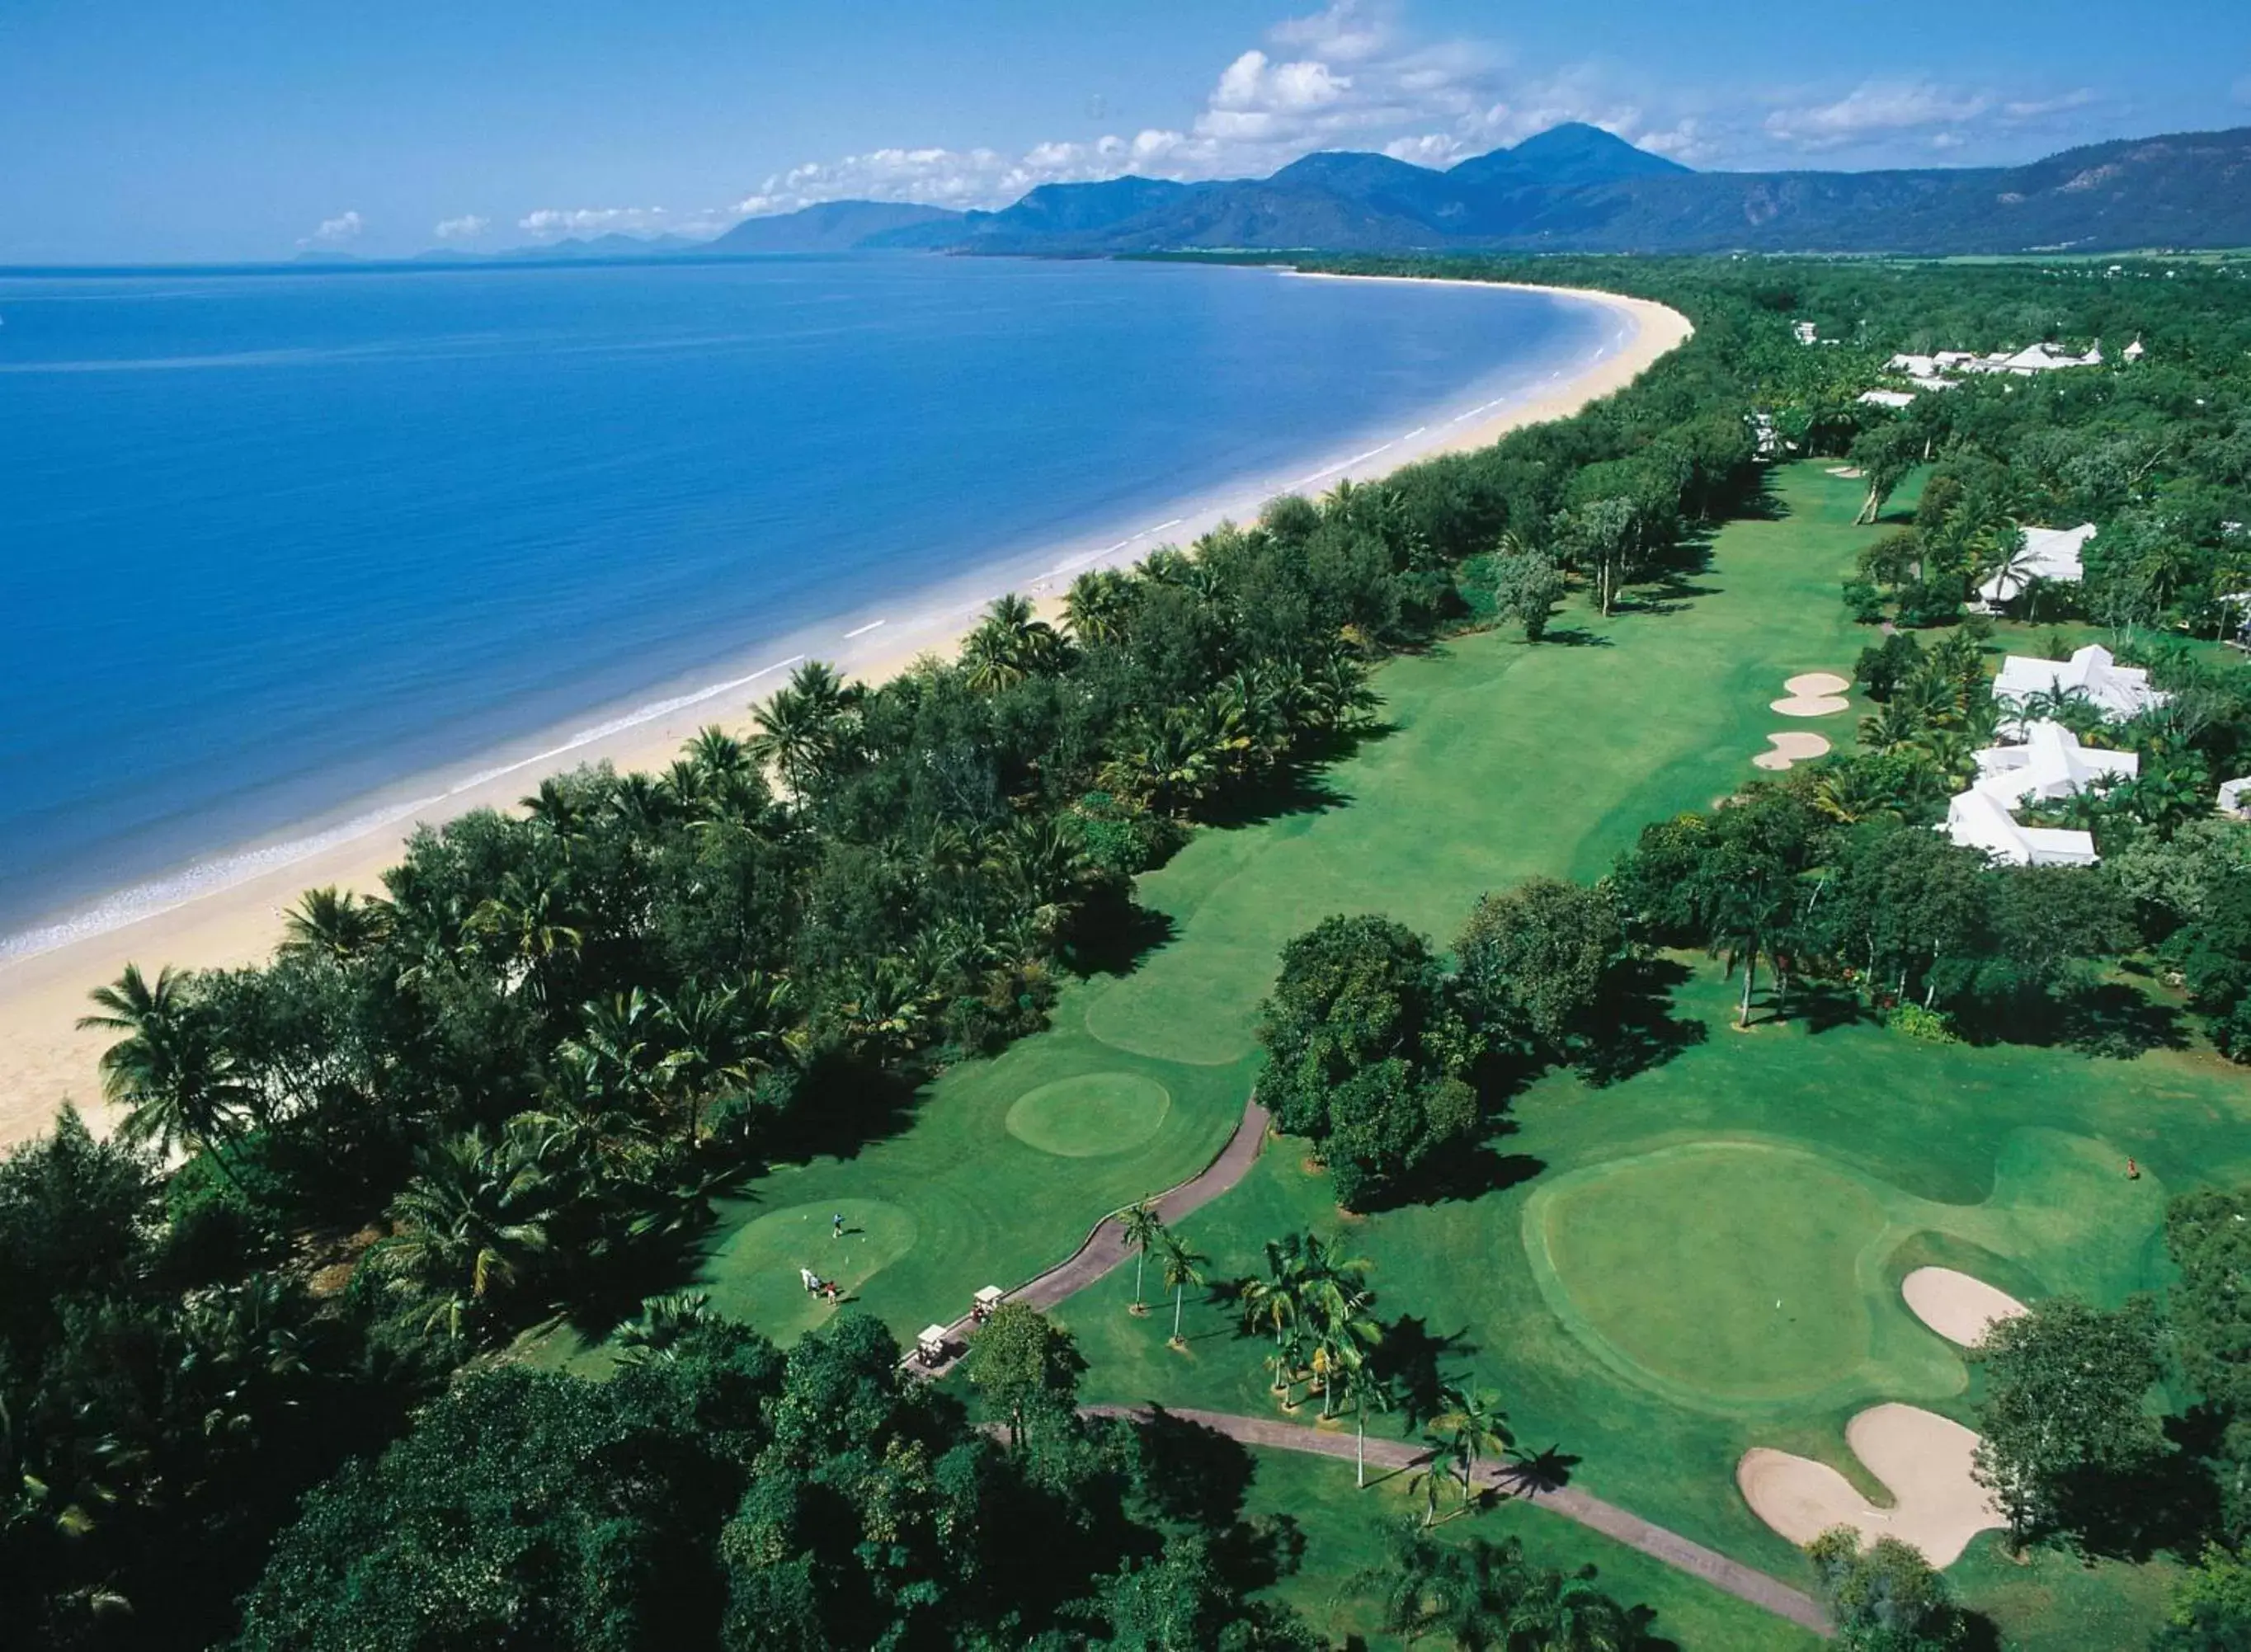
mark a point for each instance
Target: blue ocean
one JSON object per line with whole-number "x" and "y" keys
{"x": 274, "y": 542}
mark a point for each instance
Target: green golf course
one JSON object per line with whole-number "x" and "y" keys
{"x": 1662, "y": 1272}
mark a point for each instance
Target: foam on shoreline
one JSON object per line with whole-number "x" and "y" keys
{"x": 225, "y": 909}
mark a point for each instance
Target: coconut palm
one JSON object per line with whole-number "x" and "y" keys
{"x": 1100, "y": 602}
{"x": 804, "y": 729}
{"x": 1277, "y": 1301}
{"x": 1181, "y": 1267}
{"x": 333, "y": 924}
{"x": 1555, "y": 1611}
{"x": 619, "y": 1055}
{"x": 470, "y": 1222}
{"x": 719, "y": 754}
{"x": 177, "y": 1082}
{"x": 1168, "y": 762}
{"x": 1141, "y": 1228}
{"x": 527, "y": 917}
{"x": 563, "y": 807}
{"x": 664, "y": 1321}
{"x": 1011, "y": 643}
{"x": 1471, "y": 1428}
{"x": 1366, "y": 1389}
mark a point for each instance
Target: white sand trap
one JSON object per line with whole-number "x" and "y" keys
{"x": 1788, "y": 749}
{"x": 1958, "y": 1306}
{"x": 1814, "y": 683}
{"x": 1810, "y": 705}
{"x": 1850, "y": 473}
{"x": 1922, "y": 1459}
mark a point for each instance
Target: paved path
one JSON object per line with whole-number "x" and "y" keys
{"x": 1106, "y": 1247}
{"x": 1608, "y": 1519}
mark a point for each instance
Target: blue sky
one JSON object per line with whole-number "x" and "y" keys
{"x": 159, "y": 130}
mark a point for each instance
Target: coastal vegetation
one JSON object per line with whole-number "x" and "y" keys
{"x": 278, "y": 1366}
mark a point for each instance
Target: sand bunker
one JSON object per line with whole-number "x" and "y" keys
{"x": 1957, "y": 1306}
{"x": 1817, "y": 693}
{"x": 1788, "y": 749}
{"x": 1812, "y": 682}
{"x": 1922, "y": 1459}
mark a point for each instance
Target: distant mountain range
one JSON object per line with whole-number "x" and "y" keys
{"x": 1576, "y": 189}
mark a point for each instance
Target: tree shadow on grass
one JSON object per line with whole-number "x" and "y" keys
{"x": 1299, "y": 789}
{"x": 1115, "y": 939}
{"x": 1191, "y": 1476}
{"x": 2117, "y": 1019}
{"x": 1821, "y": 1006}
{"x": 1642, "y": 1031}
{"x": 1573, "y": 637}
{"x": 1411, "y": 1359}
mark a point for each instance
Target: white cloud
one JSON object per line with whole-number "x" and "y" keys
{"x": 1874, "y": 110}
{"x": 335, "y": 231}
{"x": 595, "y": 220}
{"x": 466, "y": 227}
{"x": 1939, "y": 116}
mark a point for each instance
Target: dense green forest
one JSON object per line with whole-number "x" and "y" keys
{"x": 255, "y": 1347}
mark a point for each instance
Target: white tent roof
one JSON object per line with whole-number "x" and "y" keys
{"x": 2051, "y": 554}
{"x": 1887, "y": 397}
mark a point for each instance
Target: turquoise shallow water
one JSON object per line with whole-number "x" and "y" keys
{"x": 272, "y": 542}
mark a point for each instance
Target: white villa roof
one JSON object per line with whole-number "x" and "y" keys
{"x": 2232, "y": 794}
{"x": 2121, "y": 691}
{"x": 1922, "y": 366}
{"x": 2034, "y": 358}
{"x": 2049, "y": 553}
{"x": 1975, "y": 820}
{"x": 1887, "y": 397}
{"x": 2050, "y": 765}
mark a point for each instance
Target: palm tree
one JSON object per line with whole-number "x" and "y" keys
{"x": 1564, "y": 1612}
{"x": 719, "y": 754}
{"x": 526, "y": 916}
{"x": 1181, "y": 1267}
{"x": 561, "y": 806}
{"x": 1275, "y": 1301}
{"x": 1366, "y": 1389}
{"x": 1100, "y": 602}
{"x": 1168, "y": 762}
{"x": 652, "y": 1338}
{"x": 802, "y": 729}
{"x": 1141, "y": 1228}
{"x": 472, "y": 1221}
{"x": 176, "y": 1081}
{"x": 333, "y": 924}
{"x": 1011, "y": 643}
{"x": 617, "y": 1053}
{"x": 1470, "y": 1428}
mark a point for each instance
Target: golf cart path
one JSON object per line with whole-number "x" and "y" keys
{"x": 1106, "y": 1248}
{"x": 1670, "y": 1547}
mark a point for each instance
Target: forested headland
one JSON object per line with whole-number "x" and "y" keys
{"x": 256, "y": 1346}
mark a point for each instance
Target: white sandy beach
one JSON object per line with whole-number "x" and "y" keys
{"x": 43, "y": 1059}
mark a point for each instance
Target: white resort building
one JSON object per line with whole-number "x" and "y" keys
{"x": 2121, "y": 691}
{"x": 2049, "y": 554}
{"x": 1977, "y": 822}
{"x": 2050, "y": 765}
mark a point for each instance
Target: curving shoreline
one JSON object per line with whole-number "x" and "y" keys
{"x": 236, "y": 919}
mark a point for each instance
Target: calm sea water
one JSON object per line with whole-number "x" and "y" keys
{"x": 270, "y": 543}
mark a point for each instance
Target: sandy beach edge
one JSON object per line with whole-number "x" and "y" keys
{"x": 44, "y": 1061}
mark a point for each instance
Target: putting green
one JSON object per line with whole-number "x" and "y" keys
{"x": 753, "y": 1276}
{"x": 1089, "y": 1115}
{"x": 1732, "y": 1268}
